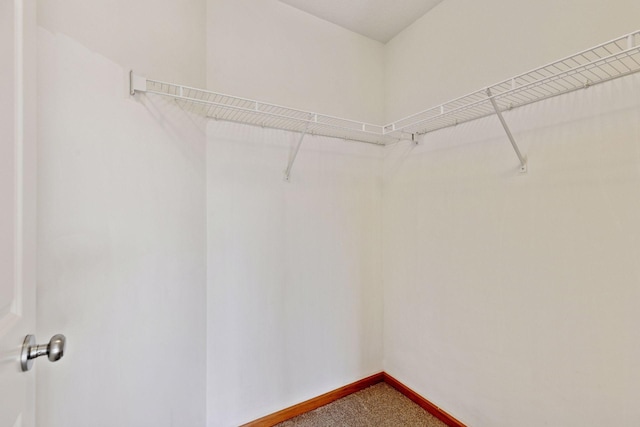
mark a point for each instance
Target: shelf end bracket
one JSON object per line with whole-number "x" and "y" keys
{"x": 136, "y": 83}
{"x": 523, "y": 161}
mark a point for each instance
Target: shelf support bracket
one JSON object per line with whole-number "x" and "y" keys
{"x": 287, "y": 173}
{"x": 523, "y": 161}
{"x": 136, "y": 83}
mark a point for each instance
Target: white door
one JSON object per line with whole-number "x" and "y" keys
{"x": 17, "y": 208}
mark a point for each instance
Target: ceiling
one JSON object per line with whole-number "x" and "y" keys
{"x": 380, "y": 20}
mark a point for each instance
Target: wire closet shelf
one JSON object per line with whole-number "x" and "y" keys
{"x": 230, "y": 108}
{"x": 617, "y": 58}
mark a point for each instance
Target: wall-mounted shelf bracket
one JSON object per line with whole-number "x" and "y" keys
{"x": 523, "y": 161}
{"x": 136, "y": 83}
{"x": 287, "y": 173}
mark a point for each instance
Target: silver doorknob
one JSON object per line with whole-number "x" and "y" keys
{"x": 54, "y": 350}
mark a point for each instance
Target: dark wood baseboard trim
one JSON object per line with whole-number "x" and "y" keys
{"x": 422, "y": 402}
{"x": 325, "y": 399}
{"x": 316, "y": 402}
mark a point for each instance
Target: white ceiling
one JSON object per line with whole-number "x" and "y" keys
{"x": 377, "y": 19}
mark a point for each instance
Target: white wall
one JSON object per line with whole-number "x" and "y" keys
{"x": 294, "y": 270}
{"x": 122, "y": 231}
{"x": 511, "y": 300}
{"x": 530, "y": 326}
{"x": 463, "y": 45}
{"x": 272, "y": 52}
{"x": 122, "y": 226}
{"x": 164, "y": 40}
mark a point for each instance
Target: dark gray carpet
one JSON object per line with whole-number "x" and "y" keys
{"x": 377, "y": 406}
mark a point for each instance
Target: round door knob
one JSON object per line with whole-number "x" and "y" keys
{"x": 54, "y": 350}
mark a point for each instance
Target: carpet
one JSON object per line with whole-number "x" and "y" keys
{"x": 377, "y": 406}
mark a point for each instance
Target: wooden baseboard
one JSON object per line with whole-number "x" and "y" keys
{"x": 316, "y": 402}
{"x": 422, "y": 402}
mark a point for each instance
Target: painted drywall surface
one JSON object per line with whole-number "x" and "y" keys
{"x": 464, "y": 45}
{"x": 294, "y": 284}
{"x": 122, "y": 241}
{"x": 294, "y": 269}
{"x": 164, "y": 40}
{"x": 272, "y": 52}
{"x": 512, "y": 300}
